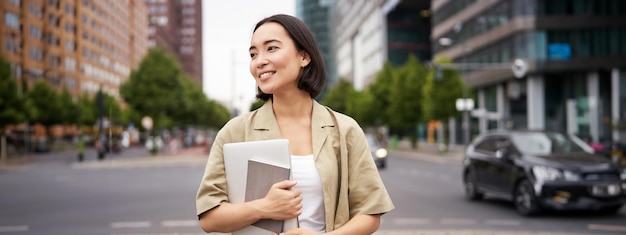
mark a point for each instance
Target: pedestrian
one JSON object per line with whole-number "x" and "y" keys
{"x": 336, "y": 186}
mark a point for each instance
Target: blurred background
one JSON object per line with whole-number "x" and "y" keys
{"x": 104, "y": 77}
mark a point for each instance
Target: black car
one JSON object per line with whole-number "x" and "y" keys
{"x": 542, "y": 170}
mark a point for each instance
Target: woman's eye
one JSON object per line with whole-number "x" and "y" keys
{"x": 271, "y": 48}
{"x": 252, "y": 55}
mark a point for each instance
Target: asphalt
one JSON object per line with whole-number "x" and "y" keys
{"x": 198, "y": 155}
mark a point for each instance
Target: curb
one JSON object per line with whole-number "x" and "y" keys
{"x": 147, "y": 161}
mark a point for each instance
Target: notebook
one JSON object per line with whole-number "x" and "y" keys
{"x": 238, "y": 156}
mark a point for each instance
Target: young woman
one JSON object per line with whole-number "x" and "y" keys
{"x": 336, "y": 188}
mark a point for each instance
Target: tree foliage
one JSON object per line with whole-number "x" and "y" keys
{"x": 405, "y": 109}
{"x": 442, "y": 92}
{"x": 256, "y": 104}
{"x": 380, "y": 90}
{"x": 337, "y": 97}
{"x": 158, "y": 88}
{"x": 155, "y": 88}
{"x": 47, "y": 103}
{"x": 10, "y": 101}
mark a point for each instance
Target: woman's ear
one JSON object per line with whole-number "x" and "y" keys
{"x": 305, "y": 59}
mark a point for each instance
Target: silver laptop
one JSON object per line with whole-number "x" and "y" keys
{"x": 236, "y": 157}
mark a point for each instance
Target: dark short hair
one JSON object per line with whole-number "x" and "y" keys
{"x": 312, "y": 76}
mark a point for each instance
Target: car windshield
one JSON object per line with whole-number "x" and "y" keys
{"x": 547, "y": 143}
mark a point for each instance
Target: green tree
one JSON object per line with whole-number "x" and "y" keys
{"x": 337, "y": 97}
{"x": 155, "y": 88}
{"x": 112, "y": 109}
{"x": 70, "y": 109}
{"x": 256, "y": 104}
{"x": 405, "y": 110}
{"x": 11, "y": 102}
{"x": 47, "y": 103}
{"x": 359, "y": 107}
{"x": 380, "y": 91}
{"x": 87, "y": 109}
{"x": 442, "y": 92}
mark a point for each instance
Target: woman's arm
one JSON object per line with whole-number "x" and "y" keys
{"x": 359, "y": 224}
{"x": 280, "y": 203}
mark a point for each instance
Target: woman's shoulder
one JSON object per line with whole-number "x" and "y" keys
{"x": 343, "y": 120}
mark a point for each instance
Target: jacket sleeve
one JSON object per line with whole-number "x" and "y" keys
{"x": 367, "y": 193}
{"x": 213, "y": 190}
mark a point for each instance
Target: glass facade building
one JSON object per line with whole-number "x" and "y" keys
{"x": 576, "y": 59}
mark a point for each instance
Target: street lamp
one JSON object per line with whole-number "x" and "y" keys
{"x": 465, "y": 105}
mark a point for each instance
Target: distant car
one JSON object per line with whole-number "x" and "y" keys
{"x": 542, "y": 170}
{"x": 379, "y": 152}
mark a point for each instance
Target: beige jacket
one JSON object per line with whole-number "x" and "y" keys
{"x": 350, "y": 180}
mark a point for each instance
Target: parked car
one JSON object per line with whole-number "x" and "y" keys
{"x": 542, "y": 170}
{"x": 379, "y": 152}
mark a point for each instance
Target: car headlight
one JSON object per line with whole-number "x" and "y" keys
{"x": 544, "y": 173}
{"x": 381, "y": 153}
{"x": 623, "y": 174}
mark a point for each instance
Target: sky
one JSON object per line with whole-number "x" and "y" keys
{"x": 227, "y": 30}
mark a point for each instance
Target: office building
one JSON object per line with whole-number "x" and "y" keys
{"x": 572, "y": 62}
{"x": 82, "y": 45}
{"x": 369, "y": 33}
{"x": 176, "y": 25}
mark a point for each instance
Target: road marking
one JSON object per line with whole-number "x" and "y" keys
{"x": 458, "y": 221}
{"x": 19, "y": 228}
{"x": 606, "y": 227}
{"x": 136, "y": 224}
{"x": 503, "y": 222}
{"x": 405, "y": 221}
{"x": 179, "y": 223}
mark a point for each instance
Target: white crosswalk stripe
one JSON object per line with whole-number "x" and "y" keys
{"x": 10, "y": 229}
{"x": 134, "y": 224}
{"x": 179, "y": 223}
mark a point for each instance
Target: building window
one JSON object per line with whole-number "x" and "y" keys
{"x": 11, "y": 46}
{"x": 70, "y": 64}
{"x": 35, "y": 10}
{"x": 70, "y": 83}
{"x": 15, "y": 2}
{"x": 11, "y": 20}
{"x": 70, "y": 46}
{"x": 35, "y": 32}
{"x": 186, "y": 50}
{"x": 35, "y": 53}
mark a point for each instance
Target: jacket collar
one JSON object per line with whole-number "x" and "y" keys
{"x": 321, "y": 123}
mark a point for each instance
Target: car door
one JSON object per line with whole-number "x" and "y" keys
{"x": 481, "y": 162}
{"x": 503, "y": 170}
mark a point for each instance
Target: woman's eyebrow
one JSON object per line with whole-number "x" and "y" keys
{"x": 266, "y": 42}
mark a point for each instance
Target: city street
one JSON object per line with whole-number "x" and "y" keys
{"x": 132, "y": 193}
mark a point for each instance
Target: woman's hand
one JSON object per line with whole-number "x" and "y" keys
{"x": 298, "y": 231}
{"x": 282, "y": 201}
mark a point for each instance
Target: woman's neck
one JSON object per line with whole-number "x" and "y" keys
{"x": 293, "y": 106}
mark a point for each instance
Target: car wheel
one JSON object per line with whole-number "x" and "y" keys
{"x": 471, "y": 190}
{"x": 524, "y": 199}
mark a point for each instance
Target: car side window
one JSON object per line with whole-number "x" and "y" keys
{"x": 487, "y": 145}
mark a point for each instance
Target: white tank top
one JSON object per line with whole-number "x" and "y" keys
{"x": 304, "y": 172}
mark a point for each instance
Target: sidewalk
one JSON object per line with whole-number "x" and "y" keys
{"x": 430, "y": 152}
{"x": 190, "y": 156}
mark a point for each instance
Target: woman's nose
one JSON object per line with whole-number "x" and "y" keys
{"x": 260, "y": 61}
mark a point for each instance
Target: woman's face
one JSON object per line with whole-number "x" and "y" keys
{"x": 275, "y": 62}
